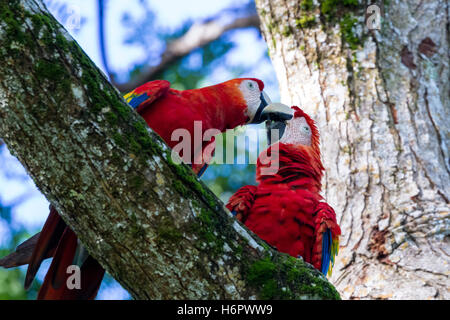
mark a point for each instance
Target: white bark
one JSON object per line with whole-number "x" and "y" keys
{"x": 148, "y": 221}
{"x": 383, "y": 113}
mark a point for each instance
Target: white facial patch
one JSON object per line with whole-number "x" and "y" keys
{"x": 297, "y": 132}
{"x": 251, "y": 93}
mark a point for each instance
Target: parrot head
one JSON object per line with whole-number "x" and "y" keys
{"x": 294, "y": 140}
{"x": 300, "y": 131}
{"x": 256, "y": 104}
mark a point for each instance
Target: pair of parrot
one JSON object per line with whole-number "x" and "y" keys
{"x": 285, "y": 209}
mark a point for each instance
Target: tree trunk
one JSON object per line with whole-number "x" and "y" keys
{"x": 381, "y": 99}
{"x": 149, "y": 222}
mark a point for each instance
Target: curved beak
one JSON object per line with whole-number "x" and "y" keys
{"x": 276, "y": 114}
{"x": 265, "y": 100}
{"x": 275, "y": 130}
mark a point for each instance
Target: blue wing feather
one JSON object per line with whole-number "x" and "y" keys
{"x": 137, "y": 100}
{"x": 326, "y": 251}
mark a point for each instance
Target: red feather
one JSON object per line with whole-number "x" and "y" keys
{"x": 286, "y": 208}
{"x": 55, "y": 282}
{"x": 46, "y": 244}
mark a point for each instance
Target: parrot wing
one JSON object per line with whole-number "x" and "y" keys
{"x": 45, "y": 244}
{"x": 327, "y": 232}
{"x": 142, "y": 97}
{"x": 242, "y": 201}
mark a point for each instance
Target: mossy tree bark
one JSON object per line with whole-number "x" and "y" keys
{"x": 149, "y": 222}
{"x": 381, "y": 99}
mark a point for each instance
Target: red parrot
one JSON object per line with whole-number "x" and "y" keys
{"x": 222, "y": 106}
{"x": 286, "y": 209}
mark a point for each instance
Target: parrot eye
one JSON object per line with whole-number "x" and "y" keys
{"x": 251, "y": 85}
{"x": 306, "y": 129}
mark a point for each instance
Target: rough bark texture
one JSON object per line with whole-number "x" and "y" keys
{"x": 148, "y": 221}
{"x": 381, "y": 99}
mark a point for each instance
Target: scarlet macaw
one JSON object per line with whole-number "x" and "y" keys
{"x": 286, "y": 209}
{"x": 222, "y": 106}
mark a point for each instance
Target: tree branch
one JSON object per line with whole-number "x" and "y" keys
{"x": 199, "y": 35}
{"x": 149, "y": 222}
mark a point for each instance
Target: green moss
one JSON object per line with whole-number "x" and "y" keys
{"x": 137, "y": 182}
{"x": 167, "y": 233}
{"x": 49, "y": 70}
{"x": 61, "y": 42}
{"x": 271, "y": 26}
{"x": 11, "y": 14}
{"x": 206, "y": 226}
{"x": 187, "y": 176}
{"x": 274, "y": 43}
{"x": 305, "y": 22}
{"x": 343, "y": 12}
{"x": 332, "y": 8}
{"x": 307, "y": 5}
{"x": 136, "y": 228}
{"x": 123, "y": 110}
{"x": 43, "y": 27}
{"x": 179, "y": 186}
{"x": 208, "y": 223}
{"x": 141, "y": 127}
{"x": 347, "y": 25}
{"x": 170, "y": 234}
{"x": 134, "y": 146}
{"x": 239, "y": 250}
{"x": 286, "y": 31}
{"x": 262, "y": 274}
{"x": 111, "y": 117}
{"x": 40, "y": 20}
{"x": 119, "y": 140}
{"x": 53, "y": 72}
{"x": 284, "y": 277}
{"x": 327, "y": 7}
{"x": 37, "y": 22}
{"x": 138, "y": 231}
{"x": 261, "y": 271}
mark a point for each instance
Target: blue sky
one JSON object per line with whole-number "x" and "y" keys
{"x": 17, "y": 187}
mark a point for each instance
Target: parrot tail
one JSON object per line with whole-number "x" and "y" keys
{"x": 58, "y": 241}
{"x": 73, "y": 274}
{"x": 326, "y": 252}
{"x": 46, "y": 244}
{"x": 23, "y": 253}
